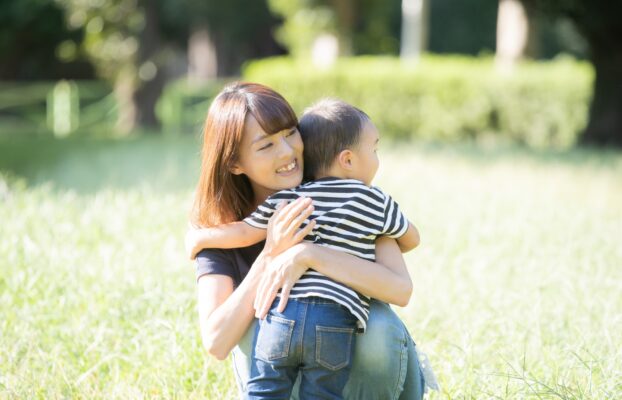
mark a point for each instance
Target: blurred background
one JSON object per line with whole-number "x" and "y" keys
{"x": 463, "y": 70}
{"x": 501, "y": 124}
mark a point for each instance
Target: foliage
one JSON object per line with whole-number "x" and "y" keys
{"x": 369, "y": 26}
{"x": 34, "y": 40}
{"x": 304, "y": 20}
{"x": 467, "y": 27}
{"x": 517, "y": 285}
{"x": 183, "y": 105}
{"x": 446, "y": 98}
{"x": 597, "y": 21}
{"x": 112, "y": 29}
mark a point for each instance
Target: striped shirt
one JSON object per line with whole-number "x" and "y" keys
{"x": 349, "y": 216}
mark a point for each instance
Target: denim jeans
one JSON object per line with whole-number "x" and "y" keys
{"x": 312, "y": 336}
{"x": 385, "y": 363}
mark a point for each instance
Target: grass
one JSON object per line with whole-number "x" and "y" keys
{"x": 517, "y": 284}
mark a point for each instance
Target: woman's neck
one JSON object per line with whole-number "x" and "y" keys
{"x": 260, "y": 194}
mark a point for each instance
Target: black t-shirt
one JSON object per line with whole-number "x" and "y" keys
{"x": 234, "y": 263}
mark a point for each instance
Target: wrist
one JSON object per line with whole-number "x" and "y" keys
{"x": 304, "y": 255}
{"x": 269, "y": 251}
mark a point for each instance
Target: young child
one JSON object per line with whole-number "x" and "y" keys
{"x": 340, "y": 145}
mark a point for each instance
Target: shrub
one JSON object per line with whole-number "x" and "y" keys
{"x": 541, "y": 104}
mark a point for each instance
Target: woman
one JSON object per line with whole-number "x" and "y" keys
{"x": 252, "y": 149}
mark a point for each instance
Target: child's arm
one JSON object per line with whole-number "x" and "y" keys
{"x": 410, "y": 239}
{"x": 225, "y": 236}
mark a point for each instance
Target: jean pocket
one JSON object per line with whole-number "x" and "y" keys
{"x": 274, "y": 338}
{"x": 333, "y": 346}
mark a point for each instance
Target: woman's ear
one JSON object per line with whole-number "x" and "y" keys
{"x": 345, "y": 159}
{"x": 236, "y": 170}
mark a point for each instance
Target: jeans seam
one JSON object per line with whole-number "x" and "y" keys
{"x": 402, "y": 371}
{"x": 302, "y": 331}
{"x": 241, "y": 383}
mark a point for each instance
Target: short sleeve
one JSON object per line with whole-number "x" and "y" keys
{"x": 260, "y": 217}
{"x": 395, "y": 222}
{"x": 215, "y": 261}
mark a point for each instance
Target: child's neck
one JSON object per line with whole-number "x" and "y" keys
{"x": 334, "y": 172}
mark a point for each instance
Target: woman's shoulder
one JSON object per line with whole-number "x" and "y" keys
{"x": 234, "y": 263}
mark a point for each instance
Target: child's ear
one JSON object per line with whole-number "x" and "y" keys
{"x": 345, "y": 159}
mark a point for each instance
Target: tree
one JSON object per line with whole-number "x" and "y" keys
{"x": 36, "y": 44}
{"x": 598, "y": 22}
{"x": 230, "y": 32}
{"x": 134, "y": 44}
{"x": 414, "y": 28}
{"x": 122, "y": 40}
{"x": 360, "y": 26}
{"x": 512, "y": 34}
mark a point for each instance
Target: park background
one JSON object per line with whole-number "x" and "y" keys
{"x": 501, "y": 125}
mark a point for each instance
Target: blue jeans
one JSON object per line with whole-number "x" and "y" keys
{"x": 385, "y": 363}
{"x": 312, "y": 336}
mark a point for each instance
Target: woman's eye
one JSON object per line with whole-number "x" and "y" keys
{"x": 292, "y": 132}
{"x": 265, "y": 146}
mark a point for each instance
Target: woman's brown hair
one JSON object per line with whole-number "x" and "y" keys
{"x": 221, "y": 196}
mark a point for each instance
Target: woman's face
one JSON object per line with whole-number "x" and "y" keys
{"x": 271, "y": 162}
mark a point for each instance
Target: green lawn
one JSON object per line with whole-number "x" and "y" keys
{"x": 517, "y": 283}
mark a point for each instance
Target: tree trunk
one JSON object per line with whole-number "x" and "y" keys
{"x": 124, "y": 87}
{"x": 346, "y": 18}
{"x": 202, "y": 56}
{"x": 512, "y": 34}
{"x": 150, "y": 73}
{"x": 414, "y": 36}
{"x": 605, "y": 121}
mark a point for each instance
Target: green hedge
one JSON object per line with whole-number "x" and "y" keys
{"x": 541, "y": 104}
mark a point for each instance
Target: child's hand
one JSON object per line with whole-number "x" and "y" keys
{"x": 284, "y": 226}
{"x": 193, "y": 241}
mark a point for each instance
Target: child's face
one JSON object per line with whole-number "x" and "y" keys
{"x": 365, "y": 160}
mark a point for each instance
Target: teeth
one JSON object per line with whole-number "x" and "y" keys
{"x": 288, "y": 167}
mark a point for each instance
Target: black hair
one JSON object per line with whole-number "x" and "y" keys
{"x": 328, "y": 127}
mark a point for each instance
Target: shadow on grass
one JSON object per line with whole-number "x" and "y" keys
{"x": 87, "y": 164}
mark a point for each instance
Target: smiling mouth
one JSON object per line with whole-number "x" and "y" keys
{"x": 289, "y": 167}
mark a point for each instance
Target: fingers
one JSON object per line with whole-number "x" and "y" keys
{"x": 280, "y": 206}
{"x": 284, "y": 297}
{"x": 259, "y": 294}
{"x": 303, "y": 232}
{"x": 264, "y": 296}
{"x": 298, "y": 220}
{"x": 292, "y": 210}
{"x": 266, "y": 302}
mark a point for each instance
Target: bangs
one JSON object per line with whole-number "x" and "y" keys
{"x": 272, "y": 112}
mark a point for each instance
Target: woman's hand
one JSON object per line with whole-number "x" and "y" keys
{"x": 284, "y": 226}
{"x": 280, "y": 272}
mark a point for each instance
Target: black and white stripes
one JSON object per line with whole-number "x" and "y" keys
{"x": 349, "y": 217}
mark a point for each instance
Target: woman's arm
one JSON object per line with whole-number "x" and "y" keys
{"x": 225, "y": 313}
{"x": 387, "y": 279}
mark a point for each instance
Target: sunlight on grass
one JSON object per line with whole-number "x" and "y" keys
{"x": 517, "y": 283}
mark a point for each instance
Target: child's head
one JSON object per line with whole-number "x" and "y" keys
{"x": 339, "y": 140}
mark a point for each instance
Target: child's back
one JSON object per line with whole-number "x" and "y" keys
{"x": 349, "y": 216}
